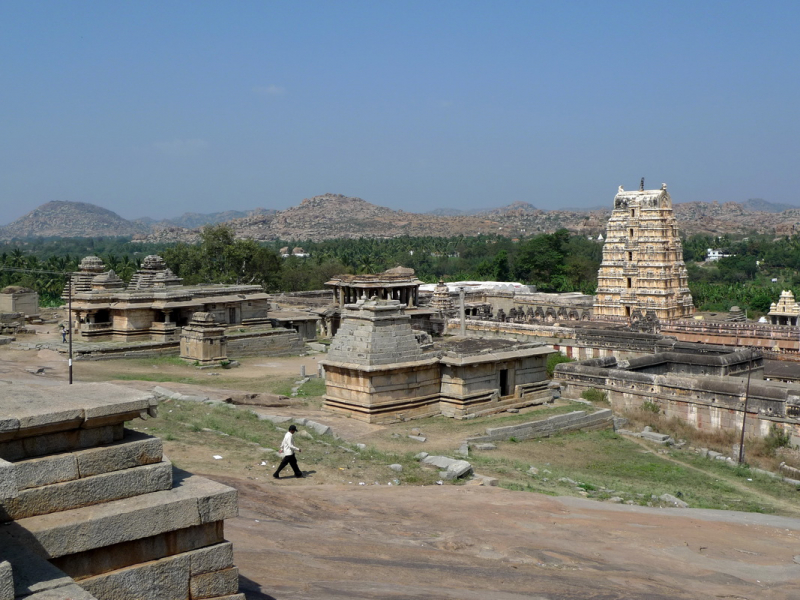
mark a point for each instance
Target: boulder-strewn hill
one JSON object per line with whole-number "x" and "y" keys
{"x": 333, "y": 216}
{"x": 70, "y": 219}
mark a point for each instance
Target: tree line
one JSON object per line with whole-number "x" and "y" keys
{"x": 555, "y": 262}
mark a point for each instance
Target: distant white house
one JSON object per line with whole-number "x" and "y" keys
{"x": 713, "y": 254}
{"x": 297, "y": 252}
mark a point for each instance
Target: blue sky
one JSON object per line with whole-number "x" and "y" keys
{"x": 159, "y": 108}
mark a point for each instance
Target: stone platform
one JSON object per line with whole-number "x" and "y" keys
{"x": 89, "y": 509}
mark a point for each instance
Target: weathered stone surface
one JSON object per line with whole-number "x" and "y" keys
{"x": 118, "y": 556}
{"x": 42, "y": 410}
{"x": 6, "y": 581}
{"x": 213, "y": 558}
{"x": 459, "y": 468}
{"x": 396, "y": 467}
{"x": 37, "y": 472}
{"x": 67, "y": 592}
{"x": 213, "y": 585}
{"x": 8, "y": 480}
{"x": 438, "y": 461}
{"x": 86, "y": 528}
{"x": 319, "y": 428}
{"x": 84, "y": 492}
{"x": 63, "y": 441}
{"x": 135, "y": 449}
{"x": 165, "y": 579}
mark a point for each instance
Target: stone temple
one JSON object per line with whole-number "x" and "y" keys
{"x": 642, "y": 268}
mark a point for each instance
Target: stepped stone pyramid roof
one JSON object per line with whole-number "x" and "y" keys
{"x": 375, "y": 332}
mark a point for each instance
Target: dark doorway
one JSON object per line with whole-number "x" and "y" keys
{"x": 504, "y": 382}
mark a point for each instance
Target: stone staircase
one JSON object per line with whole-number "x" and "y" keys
{"x": 89, "y": 509}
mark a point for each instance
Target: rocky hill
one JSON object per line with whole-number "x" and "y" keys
{"x": 71, "y": 219}
{"x": 331, "y": 216}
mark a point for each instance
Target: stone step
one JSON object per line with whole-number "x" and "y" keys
{"x": 192, "y": 501}
{"x": 88, "y": 491}
{"x": 201, "y": 574}
{"x": 133, "y": 450}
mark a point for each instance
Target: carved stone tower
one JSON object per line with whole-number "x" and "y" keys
{"x": 643, "y": 268}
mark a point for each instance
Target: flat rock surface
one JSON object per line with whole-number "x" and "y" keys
{"x": 472, "y": 543}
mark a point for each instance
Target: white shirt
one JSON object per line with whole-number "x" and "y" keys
{"x": 287, "y": 447}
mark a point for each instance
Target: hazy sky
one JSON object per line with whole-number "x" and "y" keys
{"x": 158, "y": 108}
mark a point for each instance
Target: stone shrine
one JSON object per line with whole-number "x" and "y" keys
{"x": 155, "y": 304}
{"x": 203, "y": 341}
{"x": 380, "y": 370}
{"x": 642, "y": 266}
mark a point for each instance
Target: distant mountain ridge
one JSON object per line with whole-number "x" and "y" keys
{"x": 71, "y": 219}
{"x": 331, "y": 216}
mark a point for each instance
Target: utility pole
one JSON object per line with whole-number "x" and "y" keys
{"x": 462, "y": 311}
{"x": 69, "y": 314}
{"x": 69, "y": 310}
{"x": 746, "y": 399}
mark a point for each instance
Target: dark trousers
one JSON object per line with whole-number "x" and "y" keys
{"x": 290, "y": 460}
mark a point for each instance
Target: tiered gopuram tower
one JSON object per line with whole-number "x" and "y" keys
{"x": 643, "y": 268}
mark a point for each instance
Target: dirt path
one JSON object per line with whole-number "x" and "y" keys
{"x": 377, "y": 542}
{"x": 732, "y": 480}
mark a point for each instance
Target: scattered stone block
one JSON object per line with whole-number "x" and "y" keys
{"x": 533, "y": 471}
{"x": 463, "y": 449}
{"x": 274, "y": 419}
{"x": 512, "y": 410}
{"x": 418, "y": 438}
{"x": 361, "y": 446}
{"x": 670, "y": 499}
{"x": 421, "y": 456}
{"x": 486, "y": 446}
{"x": 396, "y": 467}
{"x": 458, "y": 469}
{"x": 319, "y": 428}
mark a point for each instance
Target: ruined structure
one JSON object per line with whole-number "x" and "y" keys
{"x": 203, "y": 341}
{"x": 398, "y": 284}
{"x": 642, "y": 268}
{"x": 18, "y": 299}
{"x": 91, "y": 510}
{"x": 156, "y": 303}
{"x": 709, "y": 391}
{"x": 786, "y": 311}
{"x": 378, "y": 370}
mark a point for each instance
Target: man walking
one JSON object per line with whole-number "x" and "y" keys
{"x": 63, "y": 334}
{"x": 288, "y": 449}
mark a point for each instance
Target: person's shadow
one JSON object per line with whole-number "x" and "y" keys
{"x": 305, "y": 474}
{"x": 252, "y": 590}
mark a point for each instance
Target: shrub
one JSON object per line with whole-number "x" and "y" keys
{"x": 555, "y": 359}
{"x": 595, "y": 395}
{"x": 652, "y": 407}
{"x": 776, "y": 438}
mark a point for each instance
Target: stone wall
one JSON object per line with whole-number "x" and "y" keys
{"x": 387, "y": 394}
{"x": 706, "y": 402}
{"x": 577, "y": 420}
{"x": 271, "y": 342}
